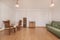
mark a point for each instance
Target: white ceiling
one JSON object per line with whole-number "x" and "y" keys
{"x": 33, "y": 4}
{"x": 36, "y": 4}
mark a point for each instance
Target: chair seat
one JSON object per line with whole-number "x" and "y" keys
{"x": 10, "y": 28}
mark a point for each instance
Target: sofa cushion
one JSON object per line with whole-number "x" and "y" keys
{"x": 56, "y": 24}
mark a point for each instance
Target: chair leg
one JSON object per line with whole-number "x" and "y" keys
{"x": 14, "y": 29}
{"x": 18, "y": 28}
{"x": 9, "y": 31}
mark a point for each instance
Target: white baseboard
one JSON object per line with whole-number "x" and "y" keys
{"x": 38, "y": 26}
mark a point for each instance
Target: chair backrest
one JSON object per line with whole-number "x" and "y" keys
{"x": 20, "y": 22}
{"x": 7, "y": 24}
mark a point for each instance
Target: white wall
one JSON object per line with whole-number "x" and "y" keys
{"x": 34, "y": 10}
{"x": 40, "y": 16}
{"x": 38, "y": 11}
{"x": 0, "y": 15}
{"x": 56, "y": 11}
{"x": 7, "y": 11}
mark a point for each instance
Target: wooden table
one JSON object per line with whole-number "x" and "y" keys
{"x": 32, "y": 24}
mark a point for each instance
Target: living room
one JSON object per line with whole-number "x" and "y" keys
{"x": 39, "y": 12}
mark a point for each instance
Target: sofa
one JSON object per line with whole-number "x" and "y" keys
{"x": 54, "y": 27}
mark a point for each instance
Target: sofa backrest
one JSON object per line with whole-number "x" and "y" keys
{"x": 56, "y": 24}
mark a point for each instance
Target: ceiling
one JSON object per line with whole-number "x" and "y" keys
{"x": 33, "y": 4}
{"x": 36, "y": 4}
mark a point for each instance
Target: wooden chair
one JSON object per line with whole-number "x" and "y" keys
{"x": 19, "y": 24}
{"x": 9, "y": 27}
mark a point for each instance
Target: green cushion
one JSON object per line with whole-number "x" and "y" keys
{"x": 54, "y": 30}
{"x": 54, "y": 27}
{"x": 56, "y": 24}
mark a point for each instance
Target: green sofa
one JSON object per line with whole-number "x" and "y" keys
{"x": 54, "y": 27}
